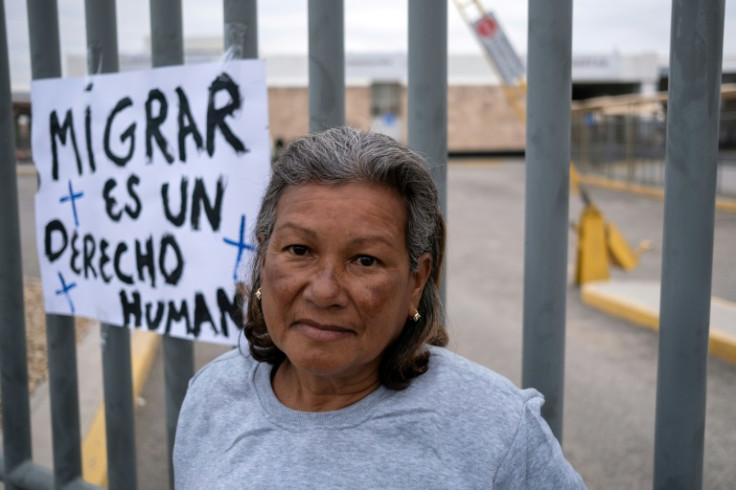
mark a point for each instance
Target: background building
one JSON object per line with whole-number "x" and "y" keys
{"x": 480, "y": 118}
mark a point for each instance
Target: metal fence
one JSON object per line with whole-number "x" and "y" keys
{"x": 691, "y": 156}
{"x": 623, "y": 138}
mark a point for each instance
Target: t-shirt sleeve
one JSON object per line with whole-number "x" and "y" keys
{"x": 534, "y": 459}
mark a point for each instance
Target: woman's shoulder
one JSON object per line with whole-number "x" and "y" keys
{"x": 226, "y": 371}
{"x": 492, "y": 423}
{"x": 459, "y": 376}
{"x": 224, "y": 383}
{"x": 474, "y": 400}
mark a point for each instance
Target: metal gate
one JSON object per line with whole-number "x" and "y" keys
{"x": 696, "y": 54}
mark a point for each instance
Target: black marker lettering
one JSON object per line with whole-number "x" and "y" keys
{"x": 131, "y": 308}
{"x": 170, "y": 276}
{"x": 110, "y": 201}
{"x": 187, "y": 126}
{"x": 75, "y": 255}
{"x": 133, "y": 181}
{"x": 128, "y": 134}
{"x": 228, "y": 309}
{"x": 51, "y": 227}
{"x": 67, "y": 128}
{"x": 88, "y": 135}
{"x": 104, "y": 259}
{"x": 153, "y": 124}
{"x": 145, "y": 260}
{"x": 177, "y": 220}
{"x": 153, "y": 322}
{"x": 216, "y": 117}
{"x": 88, "y": 248}
{"x": 201, "y": 315}
{"x": 176, "y": 315}
{"x": 200, "y": 200}
{"x": 126, "y": 278}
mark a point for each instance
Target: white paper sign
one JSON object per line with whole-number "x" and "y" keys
{"x": 150, "y": 183}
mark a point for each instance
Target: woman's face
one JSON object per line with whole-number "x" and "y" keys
{"x": 335, "y": 279}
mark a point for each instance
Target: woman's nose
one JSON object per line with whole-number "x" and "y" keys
{"x": 325, "y": 288}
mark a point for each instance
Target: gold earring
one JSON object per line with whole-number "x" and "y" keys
{"x": 416, "y": 316}
{"x": 258, "y": 294}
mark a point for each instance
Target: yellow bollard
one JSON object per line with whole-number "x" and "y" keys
{"x": 620, "y": 252}
{"x": 592, "y": 253}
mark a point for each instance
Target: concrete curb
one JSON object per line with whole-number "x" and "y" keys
{"x": 728, "y": 205}
{"x": 631, "y": 311}
{"x": 143, "y": 346}
{"x": 721, "y": 344}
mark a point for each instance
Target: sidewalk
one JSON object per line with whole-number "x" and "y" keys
{"x": 91, "y": 408}
{"x": 638, "y": 303}
{"x": 90, "y": 394}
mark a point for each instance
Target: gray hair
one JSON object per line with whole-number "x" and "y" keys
{"x": 343, "y": 155}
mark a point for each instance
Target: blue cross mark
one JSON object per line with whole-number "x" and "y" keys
{"x": 73, "y": 197}
{"x": 240, "y": 243}
{"x": 65, "y": 291}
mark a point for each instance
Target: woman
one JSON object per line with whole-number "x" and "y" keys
{"x": 347, "y": 383}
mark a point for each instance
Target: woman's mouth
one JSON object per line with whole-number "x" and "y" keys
{"x": 321, "y": 332}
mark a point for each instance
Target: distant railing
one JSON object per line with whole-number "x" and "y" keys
{"x": 624, "y": 138}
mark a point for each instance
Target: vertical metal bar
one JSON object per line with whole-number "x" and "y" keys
{"x": 241, "y": 28}
{"x": 326, "y": 64}
{"x": 547, "y": 193}
{"x": 696, "y": 50}
{"x": 13, "y": 364}
{"x": 427, "y": 97}
{"x": 119, "y": 409}
{"x": 43, "y": 27}
{"x": 167, "y": 41}
{"x": 64, "y": 394}
{"x": 102, "y": 57}
{"x": 168, "y": 49}
{"x": 102, "y": 37}
{"x": 61, "y": 342}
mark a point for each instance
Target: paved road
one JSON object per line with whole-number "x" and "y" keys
{"x": 611, "y": 366}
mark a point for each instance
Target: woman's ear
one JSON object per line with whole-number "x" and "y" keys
{"x": 419, "y": 280}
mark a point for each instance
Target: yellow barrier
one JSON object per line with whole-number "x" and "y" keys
{"x": 592, "y": 254}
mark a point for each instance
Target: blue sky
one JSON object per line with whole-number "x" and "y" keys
{"x": 627, "y": 26}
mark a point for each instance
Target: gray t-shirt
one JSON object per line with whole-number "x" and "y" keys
{"x": 459, "y": 425}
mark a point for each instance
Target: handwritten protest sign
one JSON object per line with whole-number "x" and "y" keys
{"x": 150, "y": 184}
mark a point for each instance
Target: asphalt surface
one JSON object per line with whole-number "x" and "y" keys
{"x": 610, "y": 381}
{"x": 611, "y": 366}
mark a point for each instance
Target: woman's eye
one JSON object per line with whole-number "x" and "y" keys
{"x": 298, "y": 249}
{"x": 366, "y": 260}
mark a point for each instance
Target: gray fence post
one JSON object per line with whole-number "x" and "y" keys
{"x": 427, "y": 97}
{"x": 547, "y": 192}
{"x": 167, "y": 46}
{"x": 13, "y": 367}
{"x": 62, "y": 347}
{"x": 696, "y": 52}
{"x": 241, "y": 28}
{"x": 102, "y": 57}
{"x": 427, "y": 81}
{"x": 326, "y": 64}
